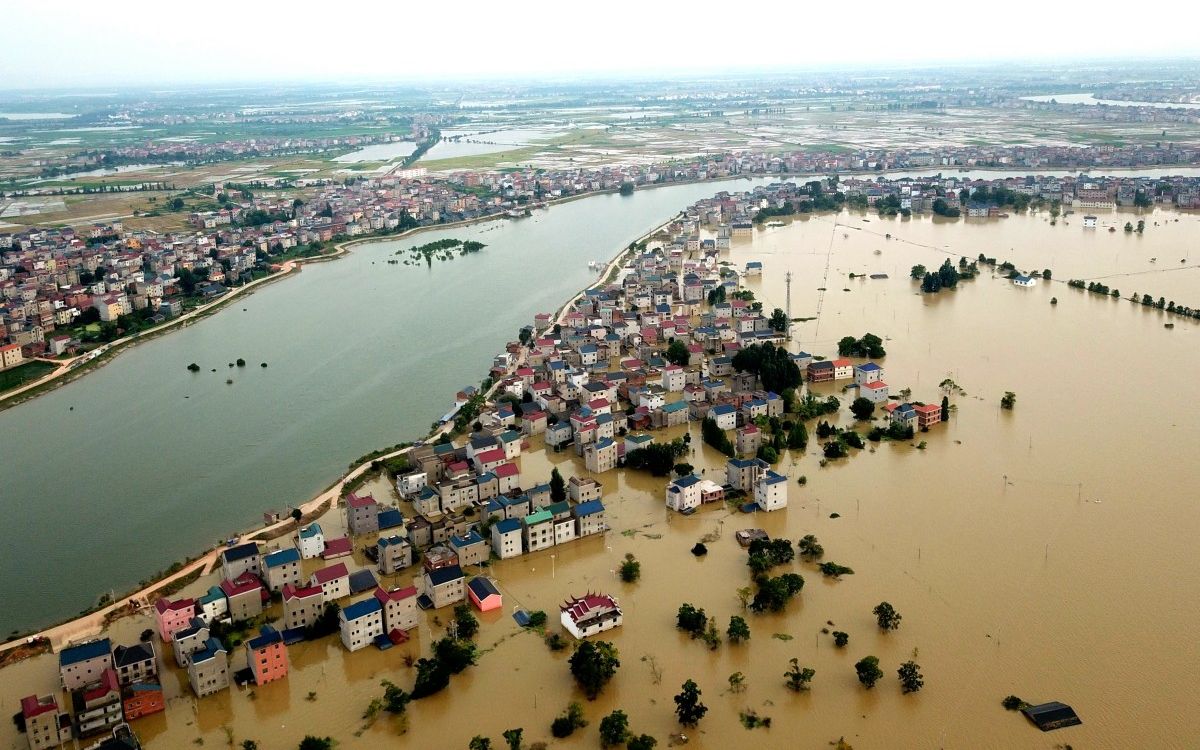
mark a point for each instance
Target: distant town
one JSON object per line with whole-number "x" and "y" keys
{"x": 67, "y": 291}
{"x": 672, "y": 338}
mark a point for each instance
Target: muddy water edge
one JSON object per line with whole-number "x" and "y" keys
{"x": 1045, "y": 552}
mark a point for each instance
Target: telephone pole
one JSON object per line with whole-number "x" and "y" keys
{"x": 788, "y": 304}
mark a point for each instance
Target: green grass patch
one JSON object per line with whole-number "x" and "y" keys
{"x": 22, "y": 374}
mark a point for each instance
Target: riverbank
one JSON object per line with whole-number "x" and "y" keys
{"x": 71, "y": 370}
{"x": 429, "y": 395}
{"x": 96, "y": 620}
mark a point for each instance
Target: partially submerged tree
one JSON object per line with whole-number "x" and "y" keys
{"x": 868, "y": 671}
{"x": 593, "y": 664}
{"x": 614, "y": 729}
{"x": 688, "y": 707}
{"x": 798, "y": 677}
{"x": 911, "y": 679}
{"x": 887, "y": 616}
{"x": 738, "y": 630}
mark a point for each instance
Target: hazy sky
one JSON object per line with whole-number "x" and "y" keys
{"x": 114, "y": 42}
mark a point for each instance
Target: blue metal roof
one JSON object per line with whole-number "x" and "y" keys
{"x": 508, "y": 525}
{"x": 390, "y": 519}
{"x": 362, "y": 609}
{"x": 483, "y": 588}
{"x": 240, "y": 552}
{"x": 591, "y": 507}
{"x": 267, "y": 636}
{"x": 471, "y": 537}
{"x": 282, "y": 557}
{"x": 212, "y": 647}
{"x": 84, "y": 651}
{"x": 444, "y": 575}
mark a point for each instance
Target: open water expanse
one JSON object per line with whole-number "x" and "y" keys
{"x": 140, "y": 463}
{"x": 1047, "y": 552}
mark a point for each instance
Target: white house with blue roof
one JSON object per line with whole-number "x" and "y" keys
{"x": 208, "y": 668}
{"x": 725, "y": 415}
{"x": 507, "y": 540}
{"x": 312, "y": 541}
{"x": 282, "y": 568}
{"x": 684, "y": 494}
{"x": 867, "y": 373}
{"x": 240, "y": 559}
{"x": 589, "y": 518}
{"x": 83, "y": 663}
{"x": 771, "y": 491}
{"x": 361, "y": 623}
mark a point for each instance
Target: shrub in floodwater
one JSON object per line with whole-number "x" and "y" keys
{"x": 1013, "y": 703}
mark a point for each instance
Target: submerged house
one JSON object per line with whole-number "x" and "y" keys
{"x": 1053, "y": 715}
{"x": 590, "y": 614}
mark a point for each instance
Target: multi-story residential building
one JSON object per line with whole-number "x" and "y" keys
{"x": 302, "y": 606}
{"x": 244, "y": 597}
{"x": 98, "y": 706}
{"x": 507, "y": 538}
{"x": 362, "y": 514}
{"x": 208, "y": 669}
{"x": 266, "y": 655}
{"x": 600, "y": 456}
{"x": 334, "y": 581}
{"x": 400, "y": 613}
{"x": 538, "y": 530}
{"x": 189, "y": 640}
{"x": 282, "y": 568}
{"x": 136, "y": 663}
{"x": 361, "y": 623}
{"x": 581, "y": 490}
{"x": 875, "y": 391}
{"x": 243, "y": 558}
{"x": 142, "y": 699}
{"x": 770, "y": 493}
{"x": 84, "y": 663}
{"x": 394, "y": 552}
{"x": 312, "y": 541}
{"x": 471, "y": 548}
{"x": 45, "y": 725}
{"x": 683, "y": 494}
{"x": 173, "y": 615}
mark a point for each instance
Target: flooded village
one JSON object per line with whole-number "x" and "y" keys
{"x": 754, "y": 367}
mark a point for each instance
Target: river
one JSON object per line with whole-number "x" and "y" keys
{"x": 1046, "y": 552}
{"x": 1092, "y": 100}
{"x": 115, "y": 476}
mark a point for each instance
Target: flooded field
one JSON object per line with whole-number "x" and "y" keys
{"x": 1046, "y": 552}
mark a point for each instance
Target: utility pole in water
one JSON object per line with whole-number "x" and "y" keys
{"x": 787, "y": 280}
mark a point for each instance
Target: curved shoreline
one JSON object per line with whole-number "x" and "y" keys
{"x": 95, "y": 621}
{"x": 66, "y": 374}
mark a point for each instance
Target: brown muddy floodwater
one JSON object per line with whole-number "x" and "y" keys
{"x": 1046, "y": 552}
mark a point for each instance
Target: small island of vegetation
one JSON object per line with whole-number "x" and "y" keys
{"x": 440, "y": 249}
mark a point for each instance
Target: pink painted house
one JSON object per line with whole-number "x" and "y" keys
{"x": 173, "y": 615}
{"x": 266, "y": 656}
